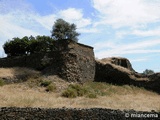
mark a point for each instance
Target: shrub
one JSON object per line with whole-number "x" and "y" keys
{"x": 96, "y": 88}
{"x": 45, "y": 83}
{"x": 51, "y": 88}
{"x": 79, "y": 89}
{"x": 92, "y": 95}
{"x": 74, "y": 90}
{"x": 69, "y": 93}
{"x": 2, "y": 82}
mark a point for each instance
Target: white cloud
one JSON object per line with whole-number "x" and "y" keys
{"x": 10, "y": 29}
{"x": 75, "y": 16}
{"x": 45, "y": 21}
{"x": 120, "y": 13}
{"x": 113, "y": 49}
{"x": 155, "y": 32}
{"x": 67, "y": 14}
{"x": 70, "y": 12}
{"x": 17, "y": 19}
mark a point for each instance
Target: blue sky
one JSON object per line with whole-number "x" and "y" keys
{"x": 119, "y": 28}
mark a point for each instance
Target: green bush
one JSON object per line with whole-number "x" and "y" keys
{"x": 90, "y": 90}
{"x": 96, "y": 88}
{"x": 51, "y": 88}
{"x": 45, "y": 83}
{"x": 92, "y": 95}
{"x": 2, "y": 82}
{"x": 79, "y": 89}
{"x": 69, "y": 93}
{"x": 74, "y": 90}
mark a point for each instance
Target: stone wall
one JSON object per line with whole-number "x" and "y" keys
{"x": 74, "y": 114}
{"x": 37, "y": 61}
{"x": 79, "y": 62}
{"x": 71, "y": 61}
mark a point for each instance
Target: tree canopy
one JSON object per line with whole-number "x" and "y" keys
{"x": 28, "y": 45}
{"x": 61, "y": 30}
{"x": 64, "y": 30}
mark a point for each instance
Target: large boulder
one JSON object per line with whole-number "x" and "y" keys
{"x": 123, "y": 62}
{"x": 117, "y": 71}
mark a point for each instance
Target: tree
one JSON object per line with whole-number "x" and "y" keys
{"x": 148, "y": 72}
{"x": 16, "y": 46}
{"x": 41, "y": 44}
{"x": 63, "y": 30}
{"x": 28, "y": 45}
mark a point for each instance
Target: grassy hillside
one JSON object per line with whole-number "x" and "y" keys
{"x": 52, "y": 92}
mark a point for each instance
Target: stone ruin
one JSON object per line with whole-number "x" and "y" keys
{"x": 75, "y": 62}
{"x": 72, "y": 61}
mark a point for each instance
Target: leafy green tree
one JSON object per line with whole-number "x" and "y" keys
{"x": 148, "y": 72}
{"x": 16, "y": 46}
{"x": 63, "y": 30}
{"x": 41, "y": 44}
{"x": 28, "y": 45}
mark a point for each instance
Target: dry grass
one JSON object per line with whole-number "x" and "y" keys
{"x": 120, "y": 97}
{"x": 6, "y": 72}
{"x": 31, "y": 94}
{"x": 18, "y": 73}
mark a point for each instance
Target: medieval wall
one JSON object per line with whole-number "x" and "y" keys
{"x": 71, "y": 61}
{"x": 79, "y": 62}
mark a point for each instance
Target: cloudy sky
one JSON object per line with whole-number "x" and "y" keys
{"x": 125, "y": 28}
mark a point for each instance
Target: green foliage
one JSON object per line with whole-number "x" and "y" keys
{"x": 45, "y": 83}
{"x": 63, "y": 30}
{"x": 51, "y": 88}
{"x": 69, "y": 93}
{"x": 74, "y": 90}
{"x": 92, "y": 95}
{"x": 2, "y": 82}
{"x": 90, "y": 90}
{"x": 41, "y": 44}
{"x": 16, "y": 46}
{"x": 148, "y": 72}
{"x": 28, "y": 45}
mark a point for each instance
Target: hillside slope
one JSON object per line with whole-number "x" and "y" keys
{"x": 31, "y": 94}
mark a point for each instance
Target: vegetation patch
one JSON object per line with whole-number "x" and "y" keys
{"x": 74, "y": 90}
{"x": 90, "y": 90}
{"x": 95, "y": 89}
{"x": 45, "y": 83}
{"x": 2, "y": 82}
{"x": 51, "y": 87}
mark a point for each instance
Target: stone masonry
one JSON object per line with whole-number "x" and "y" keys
{"x": 72, "y": 61}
